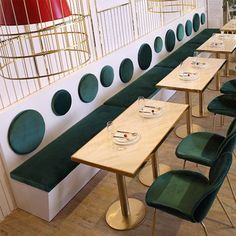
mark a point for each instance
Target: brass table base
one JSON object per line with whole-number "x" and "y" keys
{"x": 116, "y": 220}
{"x": 196, "y": 112}
{"x": 146, "y": 175}
{"x": 181, "y": 131}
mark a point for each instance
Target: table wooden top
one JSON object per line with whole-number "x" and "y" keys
{"x": 204, "y": 75}
{"x": 226, "y": 43}
{"x": 230, "y": 26}
{"x": 102, "y": 153}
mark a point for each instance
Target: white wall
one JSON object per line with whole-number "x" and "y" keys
{"x": 215, "y": 13}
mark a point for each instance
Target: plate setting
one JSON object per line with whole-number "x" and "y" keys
{"x": 122, "y": 137}
{"x": 216, "y": 45}
{"x": 150, "y": 111}
{"x": 188, "y": 76}
{"x": 198, "y": 64}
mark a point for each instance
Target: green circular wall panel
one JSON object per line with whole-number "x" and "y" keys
{"x": 107, "y": 76}
{"x": 188, "y": 28}
{"x": 26, "y": 132}
{"x": 203, "y": 18}
{"x": 196, "y": 22}
{"x": 144, "y": 56}
{"x": 180, "y": 32}
{"x": 170, "y": 40}
{"x": 88, "y": 88}
{"x": 61, "y": 102}
{"x": 158, "y": 44}
{"x": 126, "y": 70}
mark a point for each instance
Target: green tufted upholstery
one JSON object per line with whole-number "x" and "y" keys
{"x": 107, "y": 76}
{"x": 143, "y": 86}
{"x": 126, "y": 70}
{"x": 180, "y": 32}
{"x": 170, "y": 40}
{"x": 26, "y": 132}
{"x": 188, "y": 28}
{"x": 196, "y": 22}
{"x": 204, "y": 148}
{"x": 88, "y": 88}
{"x": 144, "y": 56}
{"x": 186, "y": 194}
{"x": 203, "y": 18}
{"x": 223, "y": 105}
{"x": 61, "y": 102}
{"x": 229, "y": 87}
{"x": 158, "y": 44}
{"x": 53, "y": 163}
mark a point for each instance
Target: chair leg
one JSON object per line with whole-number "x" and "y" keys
{"x": 154, "y": 222}
{"x": 204, "y": 228}
{"x": 226, "y": 213}
{"x": 214, "y": 123}
{"x": 231, "y": 188}
{"x": 184, "y": 164}
{"x": 222, "y": 120}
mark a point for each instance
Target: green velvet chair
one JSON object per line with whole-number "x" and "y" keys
{"x": 224, "y": 105}
{"x": 229, "y": 87}
{"x": 187, "y": 194}
{"x": 204, "y": 148}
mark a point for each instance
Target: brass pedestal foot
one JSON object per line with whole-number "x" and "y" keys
{"x": 146, "y": 174}
{"x": 181, "y": 131}
{"x": 116, "y": 220}
{"x": 196, "y": 112}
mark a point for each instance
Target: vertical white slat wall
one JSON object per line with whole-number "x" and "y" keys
{"x": 6, "y": 200}
{"x": 110, "y": 25}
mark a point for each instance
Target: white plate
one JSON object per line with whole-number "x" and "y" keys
{"x": 188, "y": 76}
{"x": 151, "y": 112}
{"x": 198, "y": 65}
{"x": 216, "y": 45}
{"x": 128, "y": 138}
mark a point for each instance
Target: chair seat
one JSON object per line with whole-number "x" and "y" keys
{"x": 229, "y": 87}
{"x": 200, "y": 148}
{"x": 223, "y": 105}
{"x": 177, "y": 192}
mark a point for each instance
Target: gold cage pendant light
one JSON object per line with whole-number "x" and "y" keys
{"x": 170, "y": 6}
{"x": 41, "y": 38}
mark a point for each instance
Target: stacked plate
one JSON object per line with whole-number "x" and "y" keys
{"x": 188, "y": 76}
{"x": 217, "y": 44}
{"x": 150, "y": 111}
{"x": 198, "y": 64}
{"x": 122, "y": 137}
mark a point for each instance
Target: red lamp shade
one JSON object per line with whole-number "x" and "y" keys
{"x": 23, "y": 12}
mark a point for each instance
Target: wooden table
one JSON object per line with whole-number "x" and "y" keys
{"x": 227, "y": 47}
{"x": 229, "y": 27}
{"x": 102, "y": 153}
{"x": 205, "y": 74}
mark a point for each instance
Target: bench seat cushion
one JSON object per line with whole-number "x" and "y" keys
{"x": 143, "y": 86}
{"x": 53, "y": 163}
{"x": 178, "y": 56}
{"x": 203, "y": 36}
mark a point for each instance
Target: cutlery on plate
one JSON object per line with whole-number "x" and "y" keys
{"x": 127, "y": 132}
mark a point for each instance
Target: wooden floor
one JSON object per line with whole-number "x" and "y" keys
{"x": 84, "y": 215}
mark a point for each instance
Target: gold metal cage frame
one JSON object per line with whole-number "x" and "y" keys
{"x": 45, "y": 49}
{"x": 170, "y": 6}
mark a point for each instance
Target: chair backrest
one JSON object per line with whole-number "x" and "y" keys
{"x": 216, "y": 178}
{"x": 229, "y": 143}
